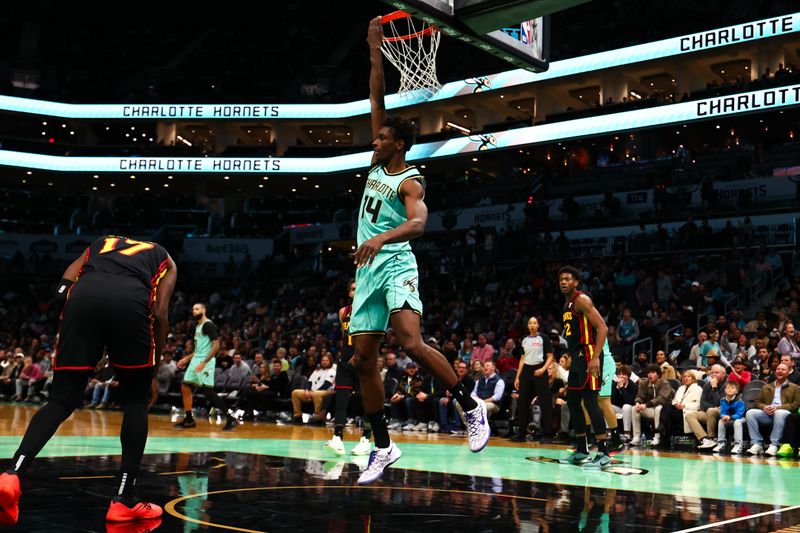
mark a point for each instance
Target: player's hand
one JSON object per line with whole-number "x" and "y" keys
{"x": 375, "y": 33}
{"x": 199, "y": 368}
{"x": 366, "y": 253}
{"x": 594, "y": 366}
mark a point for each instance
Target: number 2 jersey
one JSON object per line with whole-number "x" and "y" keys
{"x": 382, "y": 208}
{"x": 578, "y": 331}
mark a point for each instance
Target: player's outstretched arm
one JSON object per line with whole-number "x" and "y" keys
{"x": 161, "y": 308}
{"x": 377, "y": 84}
{"x": 413, "y": 195}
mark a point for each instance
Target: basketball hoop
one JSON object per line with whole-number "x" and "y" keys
{"x": 411, "y": 47}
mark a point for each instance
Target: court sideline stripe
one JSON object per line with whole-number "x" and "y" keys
{"x": 739, "y": 519}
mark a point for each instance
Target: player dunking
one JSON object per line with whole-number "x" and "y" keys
{"x": 115, "y": 298}
{"x": 393, "y": 212}
{"x": 200, "y": 370}
{"x": 346, "y": 382}
{"x": 585, "y": 332}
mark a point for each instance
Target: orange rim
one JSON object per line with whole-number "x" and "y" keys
{"x": 397, "y": 15}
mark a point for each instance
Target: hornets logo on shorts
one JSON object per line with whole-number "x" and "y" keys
{"x": 410, "y": 284}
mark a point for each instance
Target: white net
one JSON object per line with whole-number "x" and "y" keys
{"x": 411, "y": 47}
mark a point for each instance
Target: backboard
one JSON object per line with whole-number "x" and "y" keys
{"x": 514, "y": 30}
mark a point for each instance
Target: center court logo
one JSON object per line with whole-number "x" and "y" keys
{"x": 410, "y": 284}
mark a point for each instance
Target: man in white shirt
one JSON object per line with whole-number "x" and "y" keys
{"x": 319, "y": 386}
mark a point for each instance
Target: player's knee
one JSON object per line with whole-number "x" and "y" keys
{"x": 415, "y": 349}
{"x": 364, "y": 363}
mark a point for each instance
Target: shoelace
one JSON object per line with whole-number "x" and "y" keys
{"x": 473, "y": 426}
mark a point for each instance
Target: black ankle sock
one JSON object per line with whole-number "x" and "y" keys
{"x": 189, "y": 415}
{"x": 126, "y": 485}
{"x": 378, "y": 423}
{"x": 581, "y": 446}
{"x": 463, "y": 398}
{"x": 338, "y": 431}
{"x": 601, "y": 446}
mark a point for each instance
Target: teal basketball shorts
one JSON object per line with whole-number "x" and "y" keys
{"x": 204, "y": 378}
{"x": 608, "y": 370}
{"x": 388, "y": 285}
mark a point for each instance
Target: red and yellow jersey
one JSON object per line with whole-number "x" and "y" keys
{"x": 578, "y": 331}
{"x": 347, "y": 340}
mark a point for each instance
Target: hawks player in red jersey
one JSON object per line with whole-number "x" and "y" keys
{"x": 346, "y": 383}
{"x": 115, "y": 299}
{"x": 585, "y": 332}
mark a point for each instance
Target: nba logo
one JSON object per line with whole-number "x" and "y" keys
{"x": 526, "y": 35}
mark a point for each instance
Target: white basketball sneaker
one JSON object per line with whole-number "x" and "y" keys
{"x": 364, "y": 447}
{"x": 478, "y": 431}
{"x": 335, "y": 445}
{"x": 378, "y": 461}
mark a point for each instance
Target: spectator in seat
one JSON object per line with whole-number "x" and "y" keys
{"x": 392, "y": 368}
{"x": 446, "y": 403}
{"x": 772, "y": 407}
{"x": 490, "y": 389}
{"x": 787, "y": 344}
{"x": 740, "y": 371}
{"x": 667, "y": 371}
{"x": 476, "y": 370}
{"x": 731, "y": 409}
{"x": 10, "y": 373}
{"x": 166, "y": 372}
{"x": 272, "y": 385}
{"x": 654, "y": 393}
{"x": 708, "y": 413}
{"x": 685, "y": 401}
{"x": 318, "y": 388}
{"x": 407, "y": 389}
{"x": 103, "y": 384}
{"x": 28, "y": 376}
{"x": 507, "y": 359}
{"x": 466, "y": 350}
{"x": 239, "y": 370}
{"x": 760, "y": 364}
{"x": 694, "y": 353}
{"x": 483, "y": 351}
{"x": 623, "y": 397}
{"x": 794, "y": 375}
{"x": 627, "y": 333}
{"x": 640, "y": 365}
{"x": 711, "y": 345}
{"x": 426, "y": 402}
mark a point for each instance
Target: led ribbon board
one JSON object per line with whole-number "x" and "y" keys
{"x": 709, "y": 108}
{"x": 674, "y": 46}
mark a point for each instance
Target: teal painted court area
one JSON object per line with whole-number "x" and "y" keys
{"x": 754, "y": 480}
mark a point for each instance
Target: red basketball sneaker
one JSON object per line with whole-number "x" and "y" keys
{"x": 119, "y": 512}
{"x": 9, "y": 499}
{"x": 141, "y": 526}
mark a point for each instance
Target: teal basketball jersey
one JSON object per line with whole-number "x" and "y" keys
{"x": 382, "y": 209}
{"x": 202, "y": 342}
